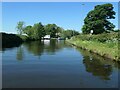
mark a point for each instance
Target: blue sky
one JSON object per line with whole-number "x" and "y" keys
{"x": 69, "y": 15}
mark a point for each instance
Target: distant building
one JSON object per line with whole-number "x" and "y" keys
{"x": 25, "y": 34}
{"x": 47, "y": 37}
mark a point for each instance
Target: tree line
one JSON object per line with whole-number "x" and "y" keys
{"x": 38, "y": 31}
{"x": 97, "y": 20}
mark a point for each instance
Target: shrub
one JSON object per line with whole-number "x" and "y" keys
{"x": 105, "y": 37}
{"x": 10, "y": 40}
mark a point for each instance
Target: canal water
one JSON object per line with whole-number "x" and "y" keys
{"x": 56, "y": 64}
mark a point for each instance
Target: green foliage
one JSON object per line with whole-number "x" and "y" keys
{"x": 20, "y": 27}
{"x": 53, "y": 30}
{"x": 28, "y": 30}
{"x": 97, "y": 19}
{"x": 69, "y": 33}
{"x": 23, "y": 37}
{"x": 35, "y": 32}
{"x": 38, "y": 31}
{"x": 105, "y": 37}
{"x": 105, "y": 44}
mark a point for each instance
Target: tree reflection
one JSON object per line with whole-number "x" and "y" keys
{"x": 35, "y": 47}
{"x": 53, "y": 46}
{"x": 97, "y": 65}
{"x": 19, "y": 53}
{"x": 117, "y": 65}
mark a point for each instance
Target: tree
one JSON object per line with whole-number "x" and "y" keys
{"x": 28, "y": 30}
{"x": 69, "y": 33}
{"x": 38, "y": 31}
{"x": 59, "y": 31}
{"x": 51, "y": 29}
{"x": 98, "y": 19}
{"x": 20, "y": 27}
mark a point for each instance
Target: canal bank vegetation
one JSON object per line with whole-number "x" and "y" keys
{"x": 10, "y": 40}
{"x": 39, "y": 31}
{"x": 98, "y": 34}
{"x": 103, "y": 46}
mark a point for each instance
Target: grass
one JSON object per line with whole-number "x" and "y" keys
{"x": 107, "y": 49}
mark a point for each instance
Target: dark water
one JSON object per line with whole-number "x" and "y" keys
{"x": 56, "y": 64}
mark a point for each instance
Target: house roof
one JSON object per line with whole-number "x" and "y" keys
{"x": 47, "y": 36}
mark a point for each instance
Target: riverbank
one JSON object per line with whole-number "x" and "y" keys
{"x": 107, "y": 48}
{"x": 12, "y": 40}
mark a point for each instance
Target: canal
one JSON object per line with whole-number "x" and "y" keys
{"x": 56, "y": 64}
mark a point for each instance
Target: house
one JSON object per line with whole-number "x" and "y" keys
{"x": 47, "y": 37}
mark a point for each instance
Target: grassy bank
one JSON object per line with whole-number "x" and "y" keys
{"x": 105, "y": 45}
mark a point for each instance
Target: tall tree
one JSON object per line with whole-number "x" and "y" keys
{"x": 20, "y": 27}
{"x": 38, "y": 31}
{"x": 28, "y": 30}
{"x": 51, "y": 29}
{"x": 98, "y": 19}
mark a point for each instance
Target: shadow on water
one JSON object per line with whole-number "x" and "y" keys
{"x": 98, "y": 65}
{"x": 9, "y": 46}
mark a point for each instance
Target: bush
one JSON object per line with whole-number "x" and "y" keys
{"x": 105, "y": 37}
{"x": 23, "y": 37}
{"x": 10, "y": 40}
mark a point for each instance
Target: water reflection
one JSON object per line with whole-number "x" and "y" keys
{"x": 37, "y": 48}
{"x": 75, "y": 65}
{"x": 93, "y": 63}
{"x": 9, "y": 46}
{"x": 97, "y": 65}
{"x": 20, "y": 52}
{"x": 53, "y": 46}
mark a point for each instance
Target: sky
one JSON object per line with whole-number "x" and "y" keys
{"x": 68, "y": 15}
